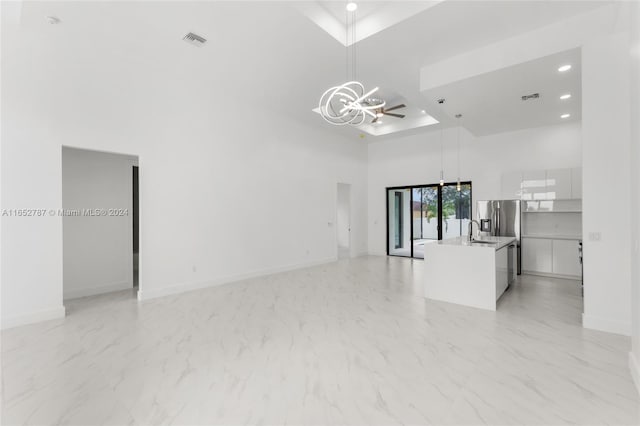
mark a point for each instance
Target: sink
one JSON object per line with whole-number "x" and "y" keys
{"x": 483, "y": 242}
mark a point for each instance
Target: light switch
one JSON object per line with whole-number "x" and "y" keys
{"x": 594, "y": 236}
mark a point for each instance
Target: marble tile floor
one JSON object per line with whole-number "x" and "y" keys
{"x": 352, "y": 342}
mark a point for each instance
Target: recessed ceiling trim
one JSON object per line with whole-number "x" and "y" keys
{"x": 385, "y": 15}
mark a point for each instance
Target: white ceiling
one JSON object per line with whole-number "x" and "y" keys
{"x": 269, "y": 53}
{"x": 492, "y": 103}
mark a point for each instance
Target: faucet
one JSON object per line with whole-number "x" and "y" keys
{"x": 471, "y": 222}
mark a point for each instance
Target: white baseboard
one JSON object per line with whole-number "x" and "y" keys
{"x": 359, "y": 254}
{"x": 634, "y": 366}
{"x": 44, "y": 315}
{"x": 549, "y": 275}
{"x": 92, "y": 291}
{"x": 605, "y": 324}
{"x": 144, "y": 294}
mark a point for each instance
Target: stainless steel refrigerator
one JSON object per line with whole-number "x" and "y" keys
{"x": 501, "y": 218}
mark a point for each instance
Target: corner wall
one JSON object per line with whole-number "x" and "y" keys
{"x": 634, "y": 356}
{"x": 606, "y": 184}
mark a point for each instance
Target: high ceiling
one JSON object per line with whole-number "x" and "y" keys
{"x": 272, "y": 55}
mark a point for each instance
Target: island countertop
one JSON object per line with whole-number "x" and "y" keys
{"x": 498, "y": 242}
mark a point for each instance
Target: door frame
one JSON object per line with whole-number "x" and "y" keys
{"x": 411, "y": 188}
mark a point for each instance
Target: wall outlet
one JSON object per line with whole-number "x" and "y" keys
{"x": 194, "y": 269}
{"x": 595, "y": 236}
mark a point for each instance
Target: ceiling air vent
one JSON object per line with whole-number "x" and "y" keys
{"x": 194, "y": 39}
{"x": 532, "y": 96}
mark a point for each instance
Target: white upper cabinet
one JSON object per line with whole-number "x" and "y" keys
{"x": 511, "y": 186}
{"x": 559, "y": 184}
{"x": 556, "y": 184}
{"x": 534, "y": 185}
{"x": 576, "y": 182}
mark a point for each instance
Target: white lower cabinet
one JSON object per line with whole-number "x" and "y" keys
{"x": 565, "y": 258}
{"x": 537, "y": 255}
{"x": 551, "y": 257}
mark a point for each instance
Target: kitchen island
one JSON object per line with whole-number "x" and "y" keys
{"x": 471, "y": 273}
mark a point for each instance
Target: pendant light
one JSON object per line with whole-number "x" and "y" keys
{"x": 459, "y": 186}
{"x": 349, "y": 103}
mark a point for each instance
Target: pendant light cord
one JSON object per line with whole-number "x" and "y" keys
{"x": 441, "y": 153}
{"x": 353, "y": 42}
{"x": 350, "y": 42}
{"x": 458, "y": 152}
{"x": 346, "y": 42}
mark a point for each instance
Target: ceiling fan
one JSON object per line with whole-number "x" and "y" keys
{"x": 385, "y": 111}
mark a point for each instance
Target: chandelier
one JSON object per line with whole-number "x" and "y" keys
{"x": 349, "y": 103}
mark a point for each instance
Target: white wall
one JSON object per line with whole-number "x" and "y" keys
{"x": 415, "y": 160}
{"x": 97, "y": 250}
{"x": 606, "y": 184}
{"x": 635, "y": 189}
{"x": 228, "y": 188}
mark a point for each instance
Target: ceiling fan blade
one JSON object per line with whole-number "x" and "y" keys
{"x": 395, "y": 107}
{"x": 394, "y": 115}
{"x": 375, "y": 119}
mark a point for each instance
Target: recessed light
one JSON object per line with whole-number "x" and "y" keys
{"x": 423, "y": 111}
{"x": 351, "y": 7}
{"x": 564, "y": 68}
{"x": 565, "y": 116}
{"x": 565, "y": 97}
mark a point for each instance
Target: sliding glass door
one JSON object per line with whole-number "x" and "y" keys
{"x": 456, "y": 210}
{"x": 420, "y": 214}
{"x": 425, "y": 218}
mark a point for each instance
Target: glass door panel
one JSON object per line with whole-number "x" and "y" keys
{"x": 425, "y": 218}
{"x": 399, "y": 222}
{"x": 456, "y": 210}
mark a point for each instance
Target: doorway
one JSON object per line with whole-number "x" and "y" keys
{"x": 421, "y": 214}
{"x": 99, "y": 222}
{"x": 343, "y": 220}
{"x": 136, "y": 223}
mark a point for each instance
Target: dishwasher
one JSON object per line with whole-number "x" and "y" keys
{"x": 510, "y": 266}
